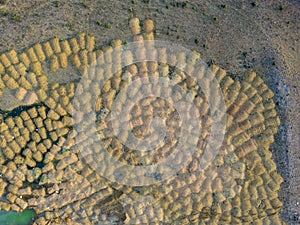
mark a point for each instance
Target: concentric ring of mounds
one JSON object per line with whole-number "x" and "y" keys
{"x": 140, "y": 117}
{"x": 39, "y": 161}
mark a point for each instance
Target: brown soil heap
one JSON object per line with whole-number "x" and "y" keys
{"x": 41, "y": 167}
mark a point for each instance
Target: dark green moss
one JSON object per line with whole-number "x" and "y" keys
{"x": 57, "y": 3}
{"x": 211, "y": 62}
{"x": 3, "y": 12}
{"x": 254, "y": 4}
{"x": 71, "y": 25}
{"x": 180, "y": 4}
{"x": 84, "y": 4}
{"x": 16, "y": 17}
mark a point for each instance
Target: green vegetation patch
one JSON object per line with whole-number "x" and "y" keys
{"x": 14, "y": 218}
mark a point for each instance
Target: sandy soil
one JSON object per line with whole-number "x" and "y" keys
{"x": 238, "y": 35}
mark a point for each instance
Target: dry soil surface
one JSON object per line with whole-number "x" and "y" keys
{"x": 237, "y": 35}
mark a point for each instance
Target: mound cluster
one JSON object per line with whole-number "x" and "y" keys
{"x": 41, "y": 165}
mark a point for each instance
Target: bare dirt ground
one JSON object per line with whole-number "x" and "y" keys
{"x": 237, "y": 35}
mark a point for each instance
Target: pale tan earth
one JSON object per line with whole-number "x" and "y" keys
{"x": 237, "y": 37}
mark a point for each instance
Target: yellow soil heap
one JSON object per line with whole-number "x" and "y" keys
{"x": 41, "y": 168}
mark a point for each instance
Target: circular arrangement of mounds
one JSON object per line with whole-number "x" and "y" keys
{"x": 40, "y": 163}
